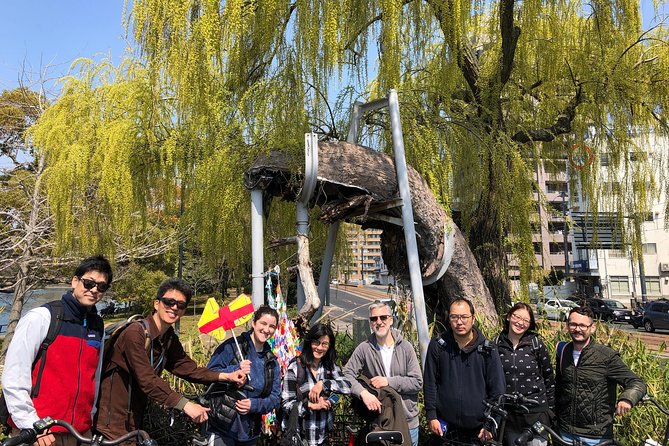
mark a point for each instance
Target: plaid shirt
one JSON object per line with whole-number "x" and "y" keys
{"x": 315, "y": 423}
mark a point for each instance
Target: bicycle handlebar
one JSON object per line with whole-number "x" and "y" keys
{"x": 649, "y": 399}
{"x": 523, "y": 438}
{"x": 29, "y": 436}
{"x": 540, "y": 429}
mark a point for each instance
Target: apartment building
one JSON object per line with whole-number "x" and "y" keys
{"x": 605, "y": 269}
{"x": 362, "y": 263}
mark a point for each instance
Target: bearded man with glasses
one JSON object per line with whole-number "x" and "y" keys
{"x": 58, "y": 379}
{"x": 462, "y": 370}
{"x": 131, "y": 372}
{"x": 386, "y": 360}
{"x": 587, "y": 378}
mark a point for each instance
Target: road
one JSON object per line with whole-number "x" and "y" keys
{"x": 347, "y": 302}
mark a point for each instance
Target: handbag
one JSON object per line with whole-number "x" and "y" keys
{"x": 221, "y": 398}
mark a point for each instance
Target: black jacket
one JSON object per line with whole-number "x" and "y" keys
{"x": 391, "y": 417}
{"x": 586, "y": 393}
{"x": 456, "y": 382}
{"x": 528, "y": 370}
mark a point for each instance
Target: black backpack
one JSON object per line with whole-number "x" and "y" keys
{"x": 291, "y": 435}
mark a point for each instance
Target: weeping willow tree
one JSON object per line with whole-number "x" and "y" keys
{"x": 488, "y": 91}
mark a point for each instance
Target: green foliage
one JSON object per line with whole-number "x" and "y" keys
{"x": 138, "y": 285}
{"x": 488, "y": 91}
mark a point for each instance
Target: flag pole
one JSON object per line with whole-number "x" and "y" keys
{"x": 239, "y": 350}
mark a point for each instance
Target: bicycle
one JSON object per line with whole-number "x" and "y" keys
{"x": 540, "y": 429}
{"x": 29, "y": 436}
{"x": 498, "y": 407}
{"x": 377, "y": 437}
{"x": 665, "y": 439}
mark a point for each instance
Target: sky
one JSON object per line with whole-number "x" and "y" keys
{"x": 46, "y": 36}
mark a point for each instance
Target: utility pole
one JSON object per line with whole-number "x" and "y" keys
{"x": 565, "y": 232}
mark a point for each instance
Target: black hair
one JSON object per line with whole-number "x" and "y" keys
{"x": 95, "y": 263}
{"x": 175, "y": 284}
{"x": 263, "y": 310}
{"x": 516, "y": 307}
{"x": 461, "y": 300}
{"x": 316, "y": 332}
{"x": 584, "y": 311}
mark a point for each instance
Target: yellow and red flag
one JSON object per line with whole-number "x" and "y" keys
{"x": 210, "y": 314}
{"x": 236, "y": 313}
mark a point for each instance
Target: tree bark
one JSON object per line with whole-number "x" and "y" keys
{"x": 33, "y": 233}
{"x": 359, "y": 185}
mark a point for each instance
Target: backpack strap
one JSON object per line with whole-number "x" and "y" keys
{"x": 559, "y": 354}
{"x": 57, "y": 313}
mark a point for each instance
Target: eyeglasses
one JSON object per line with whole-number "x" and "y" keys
{"x": 517, "y": 318}
{"x": 383, "y": 317}
{"x": 90, "y": 284}
{"x": 574, "y": 326}
{"x": 324, "y": 344}
{"x": 462, "y": 317}
{"x": 169, "y": 303}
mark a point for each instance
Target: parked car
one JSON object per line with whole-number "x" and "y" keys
{"x": 620, "y": 312}
{"x": 557, "y": 309}
{"x": 601, "y": 310}
{"x": 637, "y": 317}
{"x": 656, "y": 315}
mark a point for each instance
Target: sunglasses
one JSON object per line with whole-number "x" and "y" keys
{"x": 383, "y": 317}
{"x": 169, "y": 303}
{"x": 90, "y": 284}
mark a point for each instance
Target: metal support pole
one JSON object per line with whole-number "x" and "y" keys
{"x": 324, "y": 279}
{"x": 409, "y": 227}
{"x": 257, "y": 242}
{"x": 302, "y": 205}
{"x": 302, "y": 229}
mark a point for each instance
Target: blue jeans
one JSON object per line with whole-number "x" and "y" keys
{"x": 584, "y": 440}
{"x": 414, "y": 436}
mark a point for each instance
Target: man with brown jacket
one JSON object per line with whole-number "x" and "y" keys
{"x": 132, "y": 374}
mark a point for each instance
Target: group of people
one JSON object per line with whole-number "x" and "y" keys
{"x": 107, "y": 392}
{"x": 463, "y": 369}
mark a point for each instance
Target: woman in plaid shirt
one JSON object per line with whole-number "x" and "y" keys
{"x": 319, "y": 377}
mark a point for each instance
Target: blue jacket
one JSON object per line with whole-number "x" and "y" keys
{"x": 456, "y": 382}
{"x": 225, "y": 359}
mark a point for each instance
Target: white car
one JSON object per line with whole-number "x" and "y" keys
{"x": 557, "y": 309}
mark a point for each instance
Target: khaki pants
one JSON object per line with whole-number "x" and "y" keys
{"x": 62, "y": 439}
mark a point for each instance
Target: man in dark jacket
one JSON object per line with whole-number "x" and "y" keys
{"x": 587, "y": 377}
{"x": 462, "y": 369}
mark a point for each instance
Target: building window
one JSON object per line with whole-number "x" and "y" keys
{"x": 619, "y": 285}
{"x": 556, "y": 227}
{"x": 617, "y": 253}
{"x": 557, "y": 247}
{"x": 605, "y": 159}
{"x": 537, "y": 247}
{"x": 649, "y": 248}
{"x": 556, "y": 186}
{"x": 559, "y": 206}
{"x": 653, "y": 285}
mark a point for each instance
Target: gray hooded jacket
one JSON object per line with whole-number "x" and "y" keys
{"x": 405, "y": 375}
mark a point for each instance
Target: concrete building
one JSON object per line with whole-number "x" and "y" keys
{"x": 362, "y": 263}
{"x": 608, "y": 271}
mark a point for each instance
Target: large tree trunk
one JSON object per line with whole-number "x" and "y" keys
{"x": 359, "y": 185}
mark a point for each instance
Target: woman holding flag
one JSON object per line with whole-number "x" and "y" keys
{"x": 251, "y": 354}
